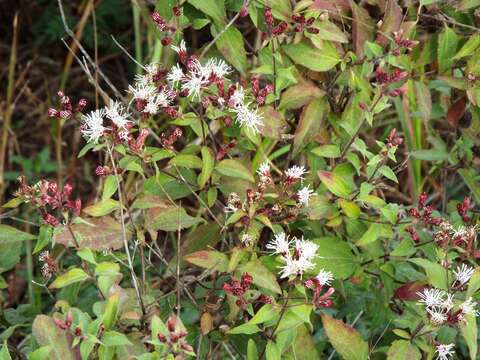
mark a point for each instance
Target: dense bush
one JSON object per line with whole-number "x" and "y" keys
{"x": 284, "y": 180}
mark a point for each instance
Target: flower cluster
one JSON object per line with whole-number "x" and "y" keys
{"x": 49, "y": 267}
{"x": 297, "y": 254}
{"x": 239, "y": 288}
{"x": 175, "y": 339}
{"x": 444, "y": 351}
{"x": 402, "y": 43}
{"x": 67, "y": 110}
{"x": 301, "y": 24}
{"x": 50, "y": 200}
{"x": 317, "y": 284}
{"x": 195, "y": 80}
{"x": 463, "y": 207}
{"x": 269, "y": 21}
{"x": 163, "y": 26}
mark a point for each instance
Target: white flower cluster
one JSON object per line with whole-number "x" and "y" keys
{"x": 444, "y": 351}
{"x": 324, "y": 277}
{"x": 295, "y": 173}
{"x": 199, "y": 77}
{"x": 463, "y": 274}
{"x": 298, "y": 254}
{"x": 93, "y": 126}
{"x": 439, "y": 303}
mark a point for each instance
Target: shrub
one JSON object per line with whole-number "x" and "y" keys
{"x": 300, "y": 186}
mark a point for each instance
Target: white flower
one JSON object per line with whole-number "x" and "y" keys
{"x": 306, "y": 249}
{"x": 234, "y": 203}
{"x": 463, "y": 274}
{"x": 117, "y": 113}
{"x": 238, "y": 97}
{"x": 324, "y": 277}
{"x": 264, "y": 171}
{"x": 175, "y": 75}
{"x": 437, "y": 316}
{"x": 432, "y": 297}
{"x": 152, "y": 69}
{"x": 249, "y": 118}
{"x": 194, "y": 86}
{"x": 142, "y": 91}
{"x": 304, "y": 195}
{"x": 162, "y": 99}
{"x": 295, "y": 172}
{"x": 182, "y": 48}
{"x": 247, "y": 239}
{"x": 280, "y": 244}
{"x": 444, "y": 351}
{"x": 468, "y": 307}
{"x": 92, "y": 128}
{"x": 218, "y": 67}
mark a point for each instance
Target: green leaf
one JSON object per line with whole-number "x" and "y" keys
{"x": 72, "y": 276}
{"x": 430, "y": 154}
{"x": 469, "y": 47}
{"x": 264, "y": 314}
{"x": 46, "y": 332}
{"x": 102, "y": 208}
{"x": 335, "y": 183}
{"x": 44, "y": 237}
{"x": 169, "y": 218}
{"x": 336, "y": 256}
{"x": 311, "y": 57}
{"x": 469, "y": 332}
{"x": 230, "y": 44}
{"x": 298, "y": 95}
{"x": 447, "y": 47}
{"x": 328, "y": 151}
{"x": 403, "y": 350}
{"x": 9, "y": 234}
{"x": 388, "y": 173}
{"x": 261, "y": 275}
{"x": 4, "y": 354}
{"x": 110, "y": 313}
{"x": 252, "y": 352}
{"x": 208, "y": 163}
{"x": 310, "y": 123}
{"x": 468, "y": 176}
{"x": 345, "y": 339}
{"x": 87, "y": 255}
{"x": 405, "y": 248}
{"x": 272, "y": 351}
{"x": 423, "y": 99}
{"x": 374, "y": 232}
{"x": 350, "y": 208}
{"x": 246, "y": 329}
{"x": 109, "y": 187}
{"x": 114, "y": 338}
{"x": 473, "y": 283}
{"x": 436, "y": 273}
{"x": 188, "y": 161}
{"x": 234, "y": 168}
{"x": 213, "y": 8}
{"x": 208, "y": 259}
{"x": 13, "y": 203}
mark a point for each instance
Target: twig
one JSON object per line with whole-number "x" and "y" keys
{"x": 124, "y": 234}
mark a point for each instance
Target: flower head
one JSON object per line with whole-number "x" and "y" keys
{"x": 218, "y": 67}
{"x": 92, "y": 128}
{"x": 468, "y": 307}
{"x": 304, "y": 195}
{"x": 324, "y": 277}
{"x": 248, "y": 117}
{"x": 180, "y": 49}
{"x": 118, "y": 115}
{"x": 142, "y": 91}
{"x": 295, "y": 172}
{"x": 264, "y": 171}
{"x": 463, "y": 274}
{"x": 444, "y": 351}
{"x": 175, "y": 75}
{"x": 432, "y": 297}
{"x": 280, "y": 244}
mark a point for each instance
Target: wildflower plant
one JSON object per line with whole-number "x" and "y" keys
{"x": 291, "y": 197}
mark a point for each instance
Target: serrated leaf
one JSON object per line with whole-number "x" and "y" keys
{"x": 208, "y": 163}
{"x": 186, "y": 160}
{"x": 72, "y": 276}
{"x": 469, "y": 47}
{"x": 109, "y": 187}
{"x": 208, "y": 259}
{"x": 298, "y": 95}
{"x": 447, "y": 47}
{"x": 345, "y": 339}
{"x": 261, "y": 275}
{"x": 350, "y": 208}
{"x": 246, "y": 329}
{"x": 328, "y": 151}
{"x": 388, "y": 173}
{"x": 102, "y": 208}
{"x": 115, "y": 338}
{"x": 230, "y": 44}
{"x": 374, "y": 232}
{"x": 169, "y": 218}
{"x": 403, "y": 350}
{"x": 469, "y": 331}
{"x": 436, "y": 273}
{"x": 310, "y": 123}
{"x": 213, "y": 8}
{"x": 335, "y": 183}
{"x": 334, "y": 255}
{"x": 234, "y": 168}
{"x": 9, "y": 234}
{"x": 46, "y": 332}
{"x": 307, "y": 55}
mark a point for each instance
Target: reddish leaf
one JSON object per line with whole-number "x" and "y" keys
{"x": 409, "y": 290}
{"x": 391, "y": 21}
{"x": 456, "y": 112}
{"x": 363, "y": 28}
{"x": 104, "y": 233}
{"x": 328, "y": 5}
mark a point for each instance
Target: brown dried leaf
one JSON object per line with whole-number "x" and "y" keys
{"x": 104, "y": 233}
{"x": 456, "y": 112}
{"x": 363, "y": 28}
{"x": 391, "y": 21}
